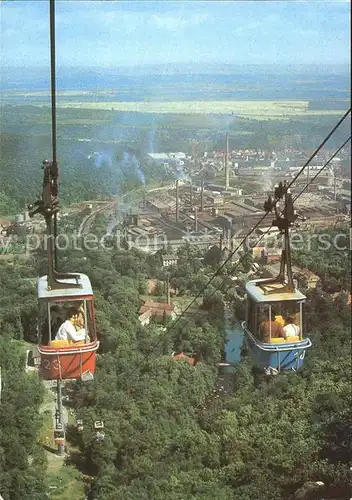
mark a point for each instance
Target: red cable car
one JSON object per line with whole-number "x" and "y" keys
{"x": 67, "y": 335}
{"x": 62, "y": 359}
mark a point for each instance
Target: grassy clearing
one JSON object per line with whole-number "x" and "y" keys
{"x": 65, "y": 482}
{"x": 246, "y": 109}
{"x": 46, "y": 433}
{"x": 49, "y": 397}
{"x": 82, "y": 121}
{"x": 184, "y": 301}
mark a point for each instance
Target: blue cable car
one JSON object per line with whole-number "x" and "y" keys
{"x": 274, "y": 354}
{"x": 274, "y": 327}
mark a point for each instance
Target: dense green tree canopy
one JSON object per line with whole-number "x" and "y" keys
{"x": 168, "y": 431}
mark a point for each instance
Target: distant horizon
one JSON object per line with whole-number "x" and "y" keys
{"x": 335, "y": 77}
{"x": 204, "y": 66}
{"x": 197, "y": 63}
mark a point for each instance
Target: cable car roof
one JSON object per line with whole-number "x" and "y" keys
{"x": 256, "y": 292}
{"x": 82, "y": 291}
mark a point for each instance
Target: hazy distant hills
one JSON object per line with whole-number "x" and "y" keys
{"x": 72, "y": 78}
{"x": 221, "y": 69}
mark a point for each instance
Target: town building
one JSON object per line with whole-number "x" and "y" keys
{"x": 190, "y": 359}
{"x": 4, "y": 225}
{"x": 156, "y": 309}
{"x": 170, "y": 260}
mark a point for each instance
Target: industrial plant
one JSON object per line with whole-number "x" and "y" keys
{"x": 220, "y": 211}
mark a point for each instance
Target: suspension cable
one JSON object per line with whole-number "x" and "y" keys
{"x": 165, "y": 334}
{"x": 320, "y": 147}
{"x": 53, "y": 79}
{"x": 53, "y": 110}
{"x": 325, "y": 165}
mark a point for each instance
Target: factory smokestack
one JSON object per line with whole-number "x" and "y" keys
{"x": 202, "y": 195}
{"x": 228, "y": 238}
{"x": 177, "y": 204}
{"x": 168, "y": 290}
{"x": 227, "y": 173}
{"x": 196, "y": 219}
{"x": 191, "y": 196}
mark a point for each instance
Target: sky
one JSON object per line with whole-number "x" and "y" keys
{"x": 131, "y": 33}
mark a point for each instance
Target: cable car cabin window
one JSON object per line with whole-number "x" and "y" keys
{"x": 261, "y": 316}
{"x": 271, "y": 316}
{"x": 251, "y": 315}
{"x": 90, "y": 320}
{"x": 292, "y": 313}
{"x": 66, "y": 323}
{"x": 43, "y": 329}
{"x": 270, "y": 322}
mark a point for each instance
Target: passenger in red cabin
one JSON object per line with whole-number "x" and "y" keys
{"x": 67, "y": 330}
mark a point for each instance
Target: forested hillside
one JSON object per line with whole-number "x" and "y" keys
{"x": 22, "y": 460}
{"x": 167, "y": 434}
{"x": 89, "y": 169}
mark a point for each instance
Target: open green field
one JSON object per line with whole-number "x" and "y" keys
{"x": 64, "y": 481}
{"x": 260, "y": 110}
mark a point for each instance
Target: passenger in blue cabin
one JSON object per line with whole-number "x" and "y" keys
{"x": 290, "y": 328}
{"x": 270, "y": 328}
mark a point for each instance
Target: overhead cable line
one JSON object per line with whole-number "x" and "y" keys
{"x": 53, "y": 78}
{"x": 320, "y": 147}
{"x": 53, "y": 108}
{"x": 325, "y": 165}
{"x": 221, "y": 267}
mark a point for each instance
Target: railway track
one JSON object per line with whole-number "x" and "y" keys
{"x": 86, "y": 224}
